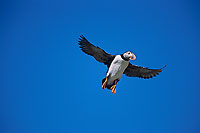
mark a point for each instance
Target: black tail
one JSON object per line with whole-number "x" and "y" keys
{"x": 103, "y": 80}
{"x": 107, "y": 86}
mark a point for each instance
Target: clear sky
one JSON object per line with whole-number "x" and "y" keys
{"x": 48, "y": 85}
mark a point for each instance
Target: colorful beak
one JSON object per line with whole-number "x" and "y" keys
{"x": 133, "y": 57}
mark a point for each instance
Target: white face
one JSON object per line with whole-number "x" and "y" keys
{"x": 129, "y": 55}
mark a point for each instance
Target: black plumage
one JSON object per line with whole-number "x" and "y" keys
{"x": 102, "y": 56}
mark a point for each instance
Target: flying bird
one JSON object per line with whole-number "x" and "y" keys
{"x": 117, "y": 65}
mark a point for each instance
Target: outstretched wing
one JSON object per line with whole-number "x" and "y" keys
{"x": 98, "y": 53}
{"x": 141, "y": 72}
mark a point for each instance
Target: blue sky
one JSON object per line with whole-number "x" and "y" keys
{"x": 49, "y": 85}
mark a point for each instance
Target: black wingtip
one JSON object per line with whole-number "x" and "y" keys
{"x": 82, "y": 36}
{"x": 163, "y": 67}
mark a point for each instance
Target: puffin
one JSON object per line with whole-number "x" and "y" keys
{"x": 117, "y": 65}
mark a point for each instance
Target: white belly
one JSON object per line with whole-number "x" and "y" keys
{"x": 116, "y": 69}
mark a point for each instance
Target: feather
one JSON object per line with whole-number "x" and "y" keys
{"x": 98, "y": 53}
{"x": 141, "y": 72}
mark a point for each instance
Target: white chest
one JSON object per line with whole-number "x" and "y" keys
{"x": 117, "y": 68}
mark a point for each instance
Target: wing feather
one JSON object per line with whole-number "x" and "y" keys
{"x": 141, "y": 72}
{"x": 98, "y": 53}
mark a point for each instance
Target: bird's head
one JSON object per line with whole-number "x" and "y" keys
{"x": 129, "y": 55}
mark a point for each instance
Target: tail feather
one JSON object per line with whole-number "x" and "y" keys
{"x": 103, "y": 80}
{"x": 107, "y": 86}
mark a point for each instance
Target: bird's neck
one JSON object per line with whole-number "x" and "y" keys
{"x": 124, "y": 58}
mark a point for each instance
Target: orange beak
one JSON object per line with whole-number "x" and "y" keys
{"x": 133, "y": 57}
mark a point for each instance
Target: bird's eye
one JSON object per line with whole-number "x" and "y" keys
{"x": 128, "y": 53}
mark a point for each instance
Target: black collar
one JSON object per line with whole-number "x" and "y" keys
{"x": 124, "y": 58}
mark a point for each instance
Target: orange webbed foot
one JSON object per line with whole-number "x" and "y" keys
{"x": 113, "y": 89}
{"x": 104, "y": 84}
